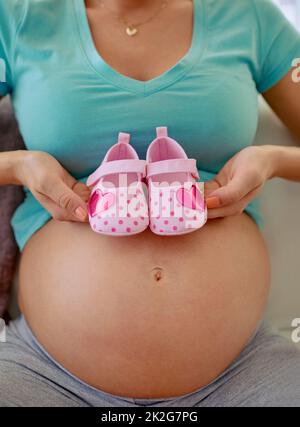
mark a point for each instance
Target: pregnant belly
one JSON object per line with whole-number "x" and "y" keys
{"x": 145, "y": 316}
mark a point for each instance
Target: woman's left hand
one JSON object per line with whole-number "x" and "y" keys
{"x": 240, "y": 181}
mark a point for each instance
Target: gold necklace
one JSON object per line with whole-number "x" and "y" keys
{"x": 132, "y": 29}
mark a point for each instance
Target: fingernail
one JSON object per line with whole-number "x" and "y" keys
{"x": 213, "y": 202}
{"x": 80, "y": 213}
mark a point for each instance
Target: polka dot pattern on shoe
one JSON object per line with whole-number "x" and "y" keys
{"x": 168, "y": 216}
{"x": 133, "y": 219}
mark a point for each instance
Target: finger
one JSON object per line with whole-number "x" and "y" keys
{"x": 210, "y": 186}
{"x": 56, "y": 212}
{"x": 67, "y": 200}
{"x": 234, "y": 191}
{"x": 82, "y": 190}
{"x": 234, "y": 209}
{"x": 78, "y": 187}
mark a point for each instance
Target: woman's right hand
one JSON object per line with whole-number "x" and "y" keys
{"x": 56, "y": 190}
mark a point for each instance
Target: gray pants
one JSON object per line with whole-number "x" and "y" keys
{"x": 267, "y": 373}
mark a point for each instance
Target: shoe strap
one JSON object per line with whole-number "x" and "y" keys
{"x": 123, "y": 138}
{"x": 161, "y": 131}
{"x": 173, "y": 166}
{"x": 118, "y": 167}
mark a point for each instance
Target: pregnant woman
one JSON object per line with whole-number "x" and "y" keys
{"x": 145, "y": 320}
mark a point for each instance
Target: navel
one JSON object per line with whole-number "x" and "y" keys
{"x": 157, "y": 274}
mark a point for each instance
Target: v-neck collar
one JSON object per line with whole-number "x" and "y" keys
{"x": 137, "y": 86}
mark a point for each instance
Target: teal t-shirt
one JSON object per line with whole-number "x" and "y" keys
{"x": 70, "y": 103}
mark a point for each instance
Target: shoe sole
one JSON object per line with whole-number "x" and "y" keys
{"x": 120, "y": 234}
{"x": 175, "y": 234}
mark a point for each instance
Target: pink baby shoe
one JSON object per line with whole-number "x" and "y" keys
{"x": 118, "y": 203}
{"x": 176, "y": 200}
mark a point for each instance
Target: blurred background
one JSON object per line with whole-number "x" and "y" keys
{"x": 281, "y": 207}
{"x": 291, "y": 8}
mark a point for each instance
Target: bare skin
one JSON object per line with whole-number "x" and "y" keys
{"x": 147, "y": 324}
{"x": 139, "y": 57}
{"x": 145, "y": 316}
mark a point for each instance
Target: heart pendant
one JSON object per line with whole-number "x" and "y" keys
{"x": 131, "y": 31}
